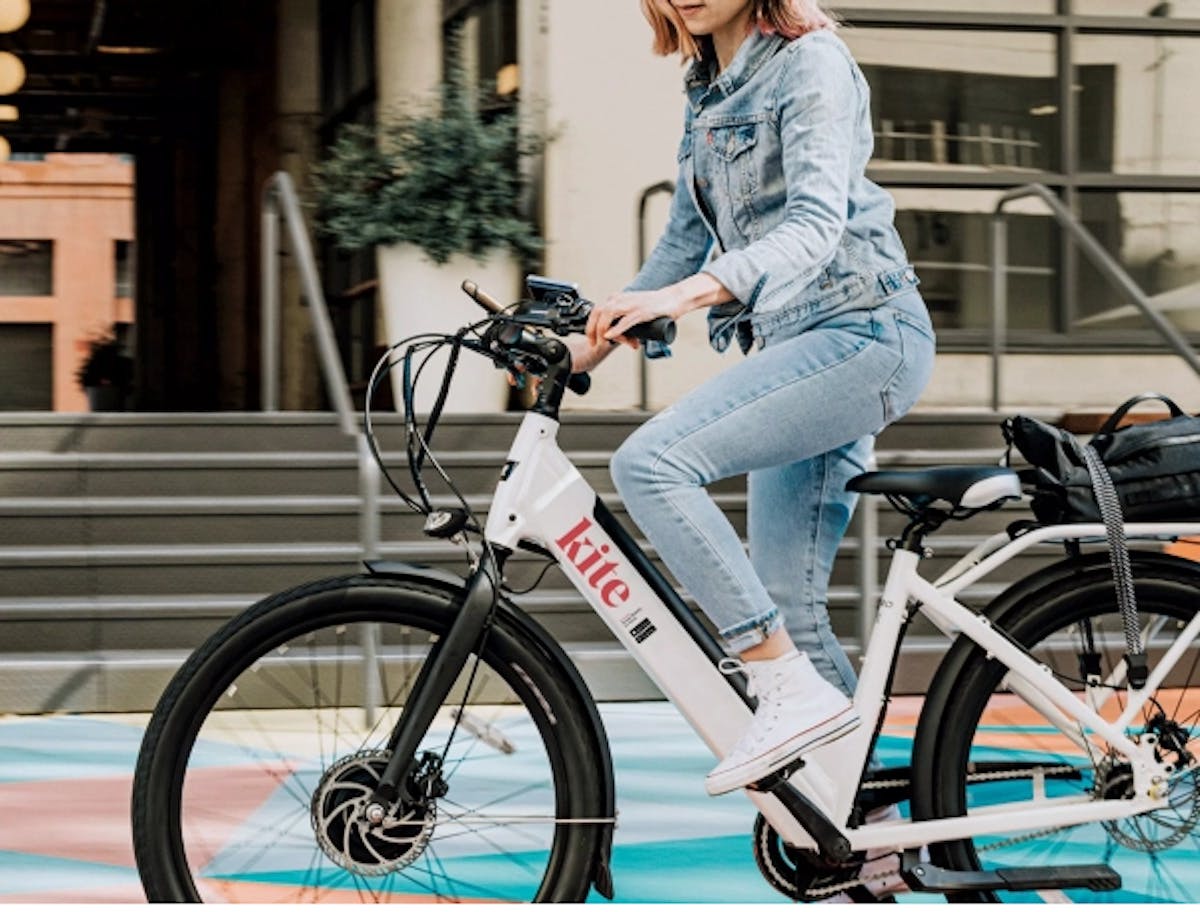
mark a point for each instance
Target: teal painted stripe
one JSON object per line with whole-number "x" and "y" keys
{"x": 24, "y": 873}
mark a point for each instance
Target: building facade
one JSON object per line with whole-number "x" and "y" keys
{"x": 66, "y": 267}
{"x": 971, "y": 98}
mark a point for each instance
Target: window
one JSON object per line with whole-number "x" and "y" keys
{"x": 947, "y": 234}
{"x": 988, "y": 100}
{"x": 26, "y": 268}
{"x": 26, "y": 367}
{"x": 1177, "y": 9}
{"x": 481, "y": 39}
{"x": 955, "y": 6}
{"x": 970, "y": 98}
{"x": 347, "y": 64}
{"x": 1133, "y": 95}
{"x": 125, "y": 269}
{"x": 1155, "y": 238}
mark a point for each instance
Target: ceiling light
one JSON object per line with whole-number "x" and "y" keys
{"x": 12, "y": 73}
{"x": 13, "y": 14}
{"x": 127, "y": 50}
{"x": 9, "y": 112}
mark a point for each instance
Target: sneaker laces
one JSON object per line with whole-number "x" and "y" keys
{"x": 730, "y": 667}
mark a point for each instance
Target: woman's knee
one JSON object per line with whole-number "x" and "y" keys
{"x": 629, "y": 464}
{"x": 646, "y": 459}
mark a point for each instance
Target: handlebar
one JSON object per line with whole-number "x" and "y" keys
{"x": 564, "y": 313}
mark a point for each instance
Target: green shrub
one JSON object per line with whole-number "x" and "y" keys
{"x": 443, "y": 178}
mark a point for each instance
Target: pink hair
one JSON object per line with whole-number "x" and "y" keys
{"x": 789, "y": 18}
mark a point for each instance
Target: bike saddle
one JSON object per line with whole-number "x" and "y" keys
{"x": 968, "y": 487}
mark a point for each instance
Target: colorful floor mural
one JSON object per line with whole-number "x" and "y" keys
{"x": 64, "y": 808}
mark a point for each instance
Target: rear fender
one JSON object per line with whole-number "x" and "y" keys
{"x": 945, "y": 684}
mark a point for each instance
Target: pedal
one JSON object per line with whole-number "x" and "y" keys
{"x": 773, "y": 780}
{"x": 929, "y": 878}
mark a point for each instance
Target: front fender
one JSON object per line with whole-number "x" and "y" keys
{"x": 602, "y": 868}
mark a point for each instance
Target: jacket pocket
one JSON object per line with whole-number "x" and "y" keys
{"x": 730, "y": 142}
{"x": 916, "y": 343}
{"x": 733, "y": 152}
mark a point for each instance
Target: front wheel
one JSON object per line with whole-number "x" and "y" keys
{"x": 983, "y": 745}
{"x": 257, "y": 762}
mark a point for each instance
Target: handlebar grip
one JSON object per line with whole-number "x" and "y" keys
{"x": 659, "y": 330}
{"x": 580, "y": 383}
{"x": 481, "y": 297}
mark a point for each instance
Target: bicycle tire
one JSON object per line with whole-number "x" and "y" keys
{"x": 967, "y": 717}
{"x": 250, "y": 658}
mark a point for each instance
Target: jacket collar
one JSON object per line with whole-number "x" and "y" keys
{"x": 702, "y": 76}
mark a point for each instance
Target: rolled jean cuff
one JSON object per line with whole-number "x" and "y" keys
{"x": 748, "y": 634}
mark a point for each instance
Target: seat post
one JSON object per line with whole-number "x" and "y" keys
{"x": 924, "y": 522}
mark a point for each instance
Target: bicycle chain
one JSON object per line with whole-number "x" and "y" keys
{"x": 833, "y": 889}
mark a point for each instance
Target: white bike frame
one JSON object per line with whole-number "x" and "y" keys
{"x": 543, "y": 498}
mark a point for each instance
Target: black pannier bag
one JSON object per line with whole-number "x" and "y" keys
{"x": 1146, "y": 471}
{"x": 1154, "y": 467}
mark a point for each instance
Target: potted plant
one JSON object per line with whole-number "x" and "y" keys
{"x": 106, "y": 374}
{"x": 437, "y": 192}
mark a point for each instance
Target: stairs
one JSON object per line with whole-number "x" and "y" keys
{"x": 125, "y": 540}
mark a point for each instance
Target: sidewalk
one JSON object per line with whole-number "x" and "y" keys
{"x": 64, "y": 807}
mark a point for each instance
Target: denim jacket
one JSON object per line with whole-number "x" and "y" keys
{"x": 772, "y": 186}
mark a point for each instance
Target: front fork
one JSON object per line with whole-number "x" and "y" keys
{"x": 447, "y": 658}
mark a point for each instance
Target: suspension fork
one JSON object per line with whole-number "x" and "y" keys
{"x": 447, "y": 658}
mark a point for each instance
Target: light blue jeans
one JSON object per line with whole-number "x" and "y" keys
{"x": 799, "y": 416}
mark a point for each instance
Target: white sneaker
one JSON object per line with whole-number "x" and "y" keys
{"x": 798, "y": 710}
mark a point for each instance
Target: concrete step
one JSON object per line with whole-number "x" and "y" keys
{"x": 128, "y": 539}
{"x": 318, "y": 431}
{"x": 249, "y": 519}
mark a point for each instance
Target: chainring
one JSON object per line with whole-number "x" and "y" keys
{"x": 800, "y": 875}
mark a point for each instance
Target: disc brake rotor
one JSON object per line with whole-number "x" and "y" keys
{"x": 348, "y": 839}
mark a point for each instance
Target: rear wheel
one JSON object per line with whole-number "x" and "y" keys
{"x": 990, "y": 747}
{"x": 256, "y": 767}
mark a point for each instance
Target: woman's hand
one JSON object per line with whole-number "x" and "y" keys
{"x": 609, "y": 321}
{"x": 585, "y": 356}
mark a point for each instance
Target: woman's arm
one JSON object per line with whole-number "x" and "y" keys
{"x": 818, "y": 102}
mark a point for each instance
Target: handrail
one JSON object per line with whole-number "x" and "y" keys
{"x": 1101, "y": 259}
{"x": 643, "y": 363}
{"x": 281, "y": 200}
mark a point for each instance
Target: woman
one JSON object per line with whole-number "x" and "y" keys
{"x": 776, "y": 232}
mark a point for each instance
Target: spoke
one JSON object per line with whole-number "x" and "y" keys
{"x": 340, "y": 634}
{"x": 433, "y": 856}
{"x": 1183, "y": 688}
{"x": 312, "y": 672}
{"x": 516, "y": 793}
{"x": 1165, "y": 875}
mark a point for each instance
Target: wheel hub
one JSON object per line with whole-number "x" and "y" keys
{"x": 1161, "y": 829}
{"x": 345, "y": 834}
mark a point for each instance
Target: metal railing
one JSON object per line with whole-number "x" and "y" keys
{"x": 1101, "y": 259}
{"x": 280, "y": 201}
{"x": 642, "y": 253}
